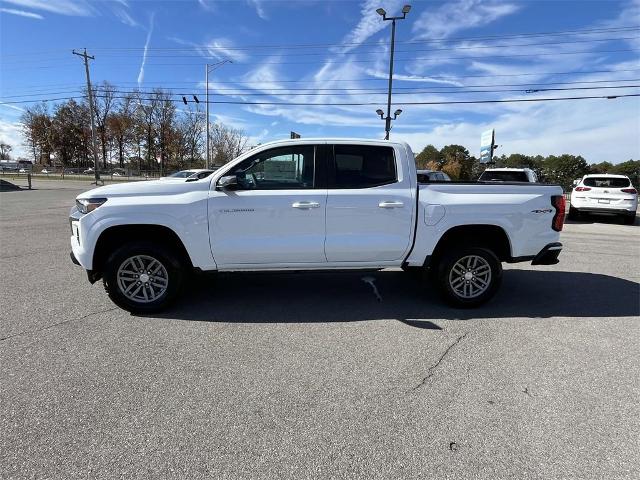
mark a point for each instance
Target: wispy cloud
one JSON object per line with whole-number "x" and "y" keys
{"x": 370, "y": 23}
{"x": 218, "y": 48}
{"x": 259, "y": 6}
{"x": 61, "y": 7}
{"x": 146, "y": 48}
{"x": 458, "y": 15}
{"x": 222, "y": 49}
{"x": 206, "y": 4}
{"x": 11, "y": 133}
{"x": 21, "y": 13}
{"x": 124, "y": 16}
{"x": 13, "y": 107}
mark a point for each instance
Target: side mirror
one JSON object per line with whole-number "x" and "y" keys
{"x": 227, "y": 181}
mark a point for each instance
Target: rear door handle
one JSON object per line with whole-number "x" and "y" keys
{"x": 391, "y": 204}
{"x": 305, "y": 205}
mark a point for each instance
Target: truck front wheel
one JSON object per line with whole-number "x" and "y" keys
{"x": 142, "y": 277}
{"x": 469, "y": 276}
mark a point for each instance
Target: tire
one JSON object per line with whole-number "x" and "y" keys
{"x": 160, "y": 284}
{"x": 574, "y": 214}
{"x": 471, "y": 266}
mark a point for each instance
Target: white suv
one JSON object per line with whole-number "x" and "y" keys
{"x": 508, "y": 175}
{"x": 604, "y": 193}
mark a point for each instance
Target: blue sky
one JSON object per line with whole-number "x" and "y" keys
{"x": 290, "y": 52}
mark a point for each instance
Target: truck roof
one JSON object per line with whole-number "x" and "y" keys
{"x": 334, "y": 139}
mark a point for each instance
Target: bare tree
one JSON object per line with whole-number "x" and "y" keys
{"x": 145, "y": 131}
{"x": 70, "y": 135}
{"x": 192, "y": 129}
{"x": 164, "y": 113}
{"x": 5, "y": 151}
{"x": 104, "y": 103}
{"x": 121, "y": 126}
{"x": 226, "y": 143}
{"x": 36, "y": 129}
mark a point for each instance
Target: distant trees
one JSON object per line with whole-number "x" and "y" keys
{"x": 225, "y": 143}
{"x": 562, "y": 169}
{"x": 143, "y": 131}
{"x": 429, "y": 158}
{"x": 5, "y": 151}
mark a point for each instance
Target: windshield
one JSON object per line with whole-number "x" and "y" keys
{"x": 182, "y": 174}
{"x": 607, "y": 182}
{"x": 503, "y": 176}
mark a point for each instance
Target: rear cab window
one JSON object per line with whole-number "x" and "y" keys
{"x": 605, "y": 182}
{"x": 362, "y": 166}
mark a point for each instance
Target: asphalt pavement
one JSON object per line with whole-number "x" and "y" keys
{"x": 311, "y": 375}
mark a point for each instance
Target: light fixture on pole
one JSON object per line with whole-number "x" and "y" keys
{"x": 387, "y": 119}
{"x": 208, "y": 69}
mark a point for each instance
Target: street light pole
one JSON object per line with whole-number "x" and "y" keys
{"x": 387, "y": 125}
{"x": 209, "y": 68}
{"x": 206, "y": 76}
{"x": 383, "y": 14}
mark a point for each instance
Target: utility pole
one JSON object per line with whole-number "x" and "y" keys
{"x": 387, "y": 119}
{"x": 206, "y": 79}
{"x": 91, "y": 112}
{"x": 207, "y": 69}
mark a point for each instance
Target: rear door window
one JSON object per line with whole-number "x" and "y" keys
{"x": 604, "y": 182}
{"x": 362, "y": 166}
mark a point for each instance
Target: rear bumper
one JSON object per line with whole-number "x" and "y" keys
{"x": 548, "y": 255}
{"x": 627, "y": 205}
{"x": 613, "y": 210}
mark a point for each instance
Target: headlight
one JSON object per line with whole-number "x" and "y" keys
{"x": 86, "y": 205}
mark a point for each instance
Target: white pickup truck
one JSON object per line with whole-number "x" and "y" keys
{"x": 313, "y": 204}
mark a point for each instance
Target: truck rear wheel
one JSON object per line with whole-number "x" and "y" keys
{"x": 469, "y": 276}
{"x": 142, "y": 277}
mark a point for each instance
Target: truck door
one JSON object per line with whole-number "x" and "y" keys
{"x": 370, "y": 205}
{"x": 276, "y": 214}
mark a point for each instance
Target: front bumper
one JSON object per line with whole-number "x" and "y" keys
{"x": 548, "y": 255}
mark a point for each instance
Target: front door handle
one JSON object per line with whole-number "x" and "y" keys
{"x": 391, "y": 204}
{"x": 305, "y": 205}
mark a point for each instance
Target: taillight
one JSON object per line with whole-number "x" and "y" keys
{"x": 629, "y": 190}
{"x": 582, "y": 189}
{"x": 559, "y": 204}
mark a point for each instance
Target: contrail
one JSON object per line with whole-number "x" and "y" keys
{"x": 146, "y": 47}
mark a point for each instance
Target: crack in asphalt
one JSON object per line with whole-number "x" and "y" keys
{"x": 432, "y": 368}
{"x": 47, "y": 327}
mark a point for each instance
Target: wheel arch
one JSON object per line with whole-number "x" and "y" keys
{"x": 117, "y": 235}
{"x": 492, "y": 237}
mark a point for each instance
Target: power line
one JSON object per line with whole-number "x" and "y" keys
{"x": 410, "y": 59}
{"x": 447, "y": 102}
{"x": 188, "y": 52}
{"x": 410, "y": 79}
{"x": 240, "y": 89}
{"x": 341, "y": 93}
{"x": 356, "y": 44}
